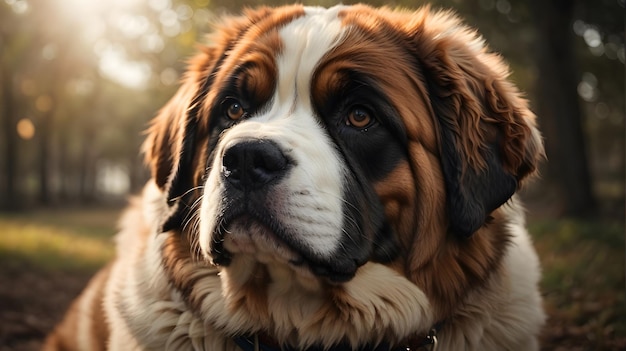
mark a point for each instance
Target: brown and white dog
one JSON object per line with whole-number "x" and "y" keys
{"x": 328, "y": 179}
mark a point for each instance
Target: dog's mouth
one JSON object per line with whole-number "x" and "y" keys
{"x": 251, "y": 235}
{"x": 254, "y": 231}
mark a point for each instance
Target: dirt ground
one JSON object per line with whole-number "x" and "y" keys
{"x": 32, "y": 301}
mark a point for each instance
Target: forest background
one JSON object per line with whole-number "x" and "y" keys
{"x": 80, "y": 79}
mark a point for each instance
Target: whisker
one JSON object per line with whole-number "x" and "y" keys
{"x": 199, "y": 187}
{"x": 192, "y": 211}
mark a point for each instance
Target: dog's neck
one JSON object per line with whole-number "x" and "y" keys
{"x": 305, "y": 313}
{"x": 295, "y": 284}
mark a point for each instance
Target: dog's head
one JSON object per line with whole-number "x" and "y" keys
{"x": 317, "y": 140}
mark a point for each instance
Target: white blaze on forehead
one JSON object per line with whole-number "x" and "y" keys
{"x": 305, "y": 41}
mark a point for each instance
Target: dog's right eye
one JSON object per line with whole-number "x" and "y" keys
{"x": 233, "y": 109}
{"x": 359, "y": 117}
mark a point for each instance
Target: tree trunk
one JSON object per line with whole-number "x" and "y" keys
{"x": 558, "y": 106}
{"x": 44, "y": 157}
{"x": 87, "y": 167}
{"x": 10, "y": 199}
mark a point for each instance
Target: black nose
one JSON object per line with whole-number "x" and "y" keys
{"x": 251, "y": 165}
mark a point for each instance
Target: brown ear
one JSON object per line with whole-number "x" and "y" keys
{"x": 487, "y": 135}
{"x": 170, "y": 146}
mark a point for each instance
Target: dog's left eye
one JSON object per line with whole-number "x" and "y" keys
{"x": 359, "y": 117}
{"x": 233, "y": 109}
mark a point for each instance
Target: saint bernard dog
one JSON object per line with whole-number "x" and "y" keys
{"x": 328, "y": 179}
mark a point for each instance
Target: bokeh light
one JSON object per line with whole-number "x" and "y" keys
{"x": 25, "y": 129}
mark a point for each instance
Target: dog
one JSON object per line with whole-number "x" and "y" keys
{"x": 328, "y": 179}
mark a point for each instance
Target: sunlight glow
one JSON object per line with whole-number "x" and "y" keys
{"x": 25, "y": 129}
{"x": 18, "y": 6}
{"x": 112, "y": 178}
{"x": 592, "y": 37}
{"x": 169, "y": 76}
{"x": 131, "y": 25}
{"x": 44, "y": 103}
{"x": 587, "y": 88}
{"x": 119, "y": 34}
{"x": 100, "y": 18}
{"x": 95, "y": 8}
{"x": 115, "y": 66}
{"x": 599, "y": 45}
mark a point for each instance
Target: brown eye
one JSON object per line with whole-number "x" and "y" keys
{"x": 359, "y": 117}
{"x": 234, "y": 110}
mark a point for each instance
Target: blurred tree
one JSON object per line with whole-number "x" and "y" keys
{"x": 8, "y": 135}
{"x": 600, "y": 56}
{"x": 9, "y": 199}
{"x": 559, "y": 107}
{"x": 14, "y": 39}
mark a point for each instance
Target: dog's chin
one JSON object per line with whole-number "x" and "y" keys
{"x": 248, "y": 236}
{"x": 249, "y": 239}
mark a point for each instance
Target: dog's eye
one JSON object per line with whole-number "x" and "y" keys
{"x": 359, "y": 117}
{"x": 233, "y": 109}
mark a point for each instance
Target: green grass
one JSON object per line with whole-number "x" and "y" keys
{"x": 79, "y": 239}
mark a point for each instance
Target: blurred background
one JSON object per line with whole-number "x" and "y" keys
{"x": 80, "y": 79}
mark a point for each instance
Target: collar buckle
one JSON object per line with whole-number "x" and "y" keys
{"x": 257, "y": 345}
{"x": 431, "y": 340}
{"x": 428, "y": 343}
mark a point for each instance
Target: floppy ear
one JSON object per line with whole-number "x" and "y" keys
{"x": 169, "y": 151}
{"x": 487, "y": 136}
{"x": 170, "y": 146}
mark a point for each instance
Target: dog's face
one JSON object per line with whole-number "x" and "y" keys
{"x": 312, "y": 141}
{"x": 302, "y": 137}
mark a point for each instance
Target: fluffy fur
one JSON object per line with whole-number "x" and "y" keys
{"x": 326, "y": 177}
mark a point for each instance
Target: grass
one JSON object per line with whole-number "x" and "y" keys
{"x": 79, "y": 239}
